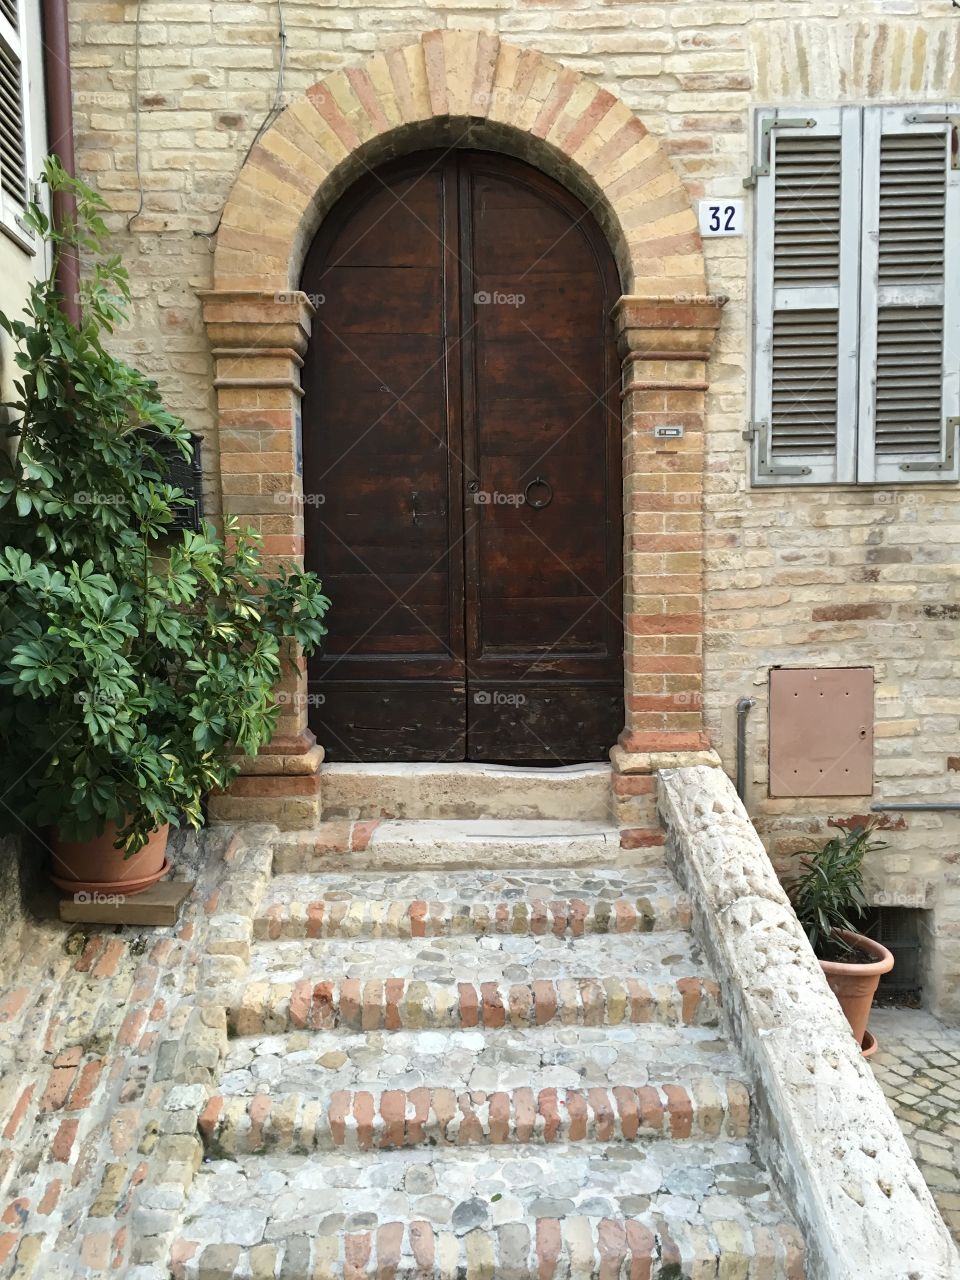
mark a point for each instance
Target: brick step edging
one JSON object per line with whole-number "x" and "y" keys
{"x": 398, "y": 918}
{"x": 396, "y": 1004}
{"x": 535, "y": 1249}
{"x": 393, "y": 1118}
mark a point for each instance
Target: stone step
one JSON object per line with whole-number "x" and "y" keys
{"x": 463, "y": 790}
{"x": 472, "y": 844}
{"x": 647, "y": 1209}
{"x": 565, "y": 903}
{"x": 388, "y": 1119}
{"x": 486, "y": 1060}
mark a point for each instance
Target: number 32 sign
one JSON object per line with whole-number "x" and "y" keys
{"x": 721, "y": 217}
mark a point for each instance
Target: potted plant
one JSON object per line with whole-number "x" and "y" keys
{"x": 135, "y": 666}
{"x": 829, "y": 900}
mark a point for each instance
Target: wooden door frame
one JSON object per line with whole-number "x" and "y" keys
{"x": 469, "y": 88}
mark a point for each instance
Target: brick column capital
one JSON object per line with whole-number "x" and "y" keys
{"x": 679, "y": 327}
{"x": 257, "y": 323}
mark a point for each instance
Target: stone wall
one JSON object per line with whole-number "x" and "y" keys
{"x": 825, "y": 1129}
{"x": 827, "y": 576}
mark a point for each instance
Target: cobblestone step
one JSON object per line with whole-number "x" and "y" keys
{"x": 394, "y": 1003}
{"x": 562, "y": 1057}
{"x": 388, "y": 1119}
{"x": 647, "y": 1209}
{"x": 466, "y": 791}
{"x": 568, "y": 903}
{"x": 452, "y": 844}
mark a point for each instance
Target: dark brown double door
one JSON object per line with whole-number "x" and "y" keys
{"x": 461, "y": 468}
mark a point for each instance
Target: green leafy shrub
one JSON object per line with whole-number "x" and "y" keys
{"x": 134, "y": 664}
{"x": 827, "y": 894}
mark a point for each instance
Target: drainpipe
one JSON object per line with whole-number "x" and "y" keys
{"x": 743, "y": 709}
{"x": 59, "y": 102}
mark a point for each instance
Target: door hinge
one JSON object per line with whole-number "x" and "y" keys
{"x": 762, "y": 168}
{"x": 953, "y": 122}
{"x": 948, "y": 461}
{"x": 760, "y": 432}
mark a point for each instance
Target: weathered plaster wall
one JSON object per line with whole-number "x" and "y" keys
{"x": 825, "y": 577}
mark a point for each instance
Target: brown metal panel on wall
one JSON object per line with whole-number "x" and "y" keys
{"x": 821, "y": 731}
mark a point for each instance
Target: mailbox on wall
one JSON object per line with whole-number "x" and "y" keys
{"x": 821, "y": 731}
{"x": 188, "y": 476}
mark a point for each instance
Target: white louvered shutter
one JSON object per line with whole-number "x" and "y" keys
{"x": 910, "y": 295}
{"x": 14, "y": 192}
{"x": 805, "y": 339}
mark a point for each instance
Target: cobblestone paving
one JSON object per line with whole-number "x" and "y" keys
{"x": 918, "y": 1067}
{"x": 105, "y": 1063}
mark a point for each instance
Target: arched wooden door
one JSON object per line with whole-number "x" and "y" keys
{"x": 462, "y": 468}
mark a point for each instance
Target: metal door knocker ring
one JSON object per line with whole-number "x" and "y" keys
{"x": 537, "y": 503}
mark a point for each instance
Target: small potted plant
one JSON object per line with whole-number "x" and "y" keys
{"x": 135, "y": 665}
{"x": 828, "y": 897}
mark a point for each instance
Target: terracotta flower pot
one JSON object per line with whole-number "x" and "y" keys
{"x": 855, "y": 985}
{"x": 95, "y": 866}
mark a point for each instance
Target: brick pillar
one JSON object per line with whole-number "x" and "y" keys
{"x": 258, "y": 340}
{"x": 664, "y": 344}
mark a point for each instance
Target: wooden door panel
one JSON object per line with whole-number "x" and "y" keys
{"x": 542, "y": 581}
{"x": 551, "y": 723}
{"x": 378, "y": 300}
{"x": 417, "y": 394}
{"x": 413, "y": 720}
{"x": 541, "y": 307}
{"x": 397, "y": 223}
{"x": 376, "y": 447}
{"x": 527, "y": 368}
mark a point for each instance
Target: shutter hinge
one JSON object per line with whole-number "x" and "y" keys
{"x": 953, "y": 122}
{"x": 762, "y": 169}
{"x": 760, "y": 432}
{"x": 949, "y": 459}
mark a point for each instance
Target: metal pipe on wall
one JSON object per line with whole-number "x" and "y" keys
{"x": 58, "y": 92}
{"x": 934, "y": 806}
{"x": 743, "y": 710}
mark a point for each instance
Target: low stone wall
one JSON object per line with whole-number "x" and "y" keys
{"x": 825, "y": 1129}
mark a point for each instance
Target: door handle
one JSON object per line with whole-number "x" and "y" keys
{"x": 544, "y": 499}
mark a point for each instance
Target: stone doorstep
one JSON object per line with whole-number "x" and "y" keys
{"x": 452, "y": 844}
{"x": 415, "y": 791}
{"x": 393, "y": 1004}
{"x": 388, "y": 1119}
{"x": 301, "y": 916}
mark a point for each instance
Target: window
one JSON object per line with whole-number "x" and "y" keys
{"x": 14, "y": 140}
{"x": 857, "y": 303}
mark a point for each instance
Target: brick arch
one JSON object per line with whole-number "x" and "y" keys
{"x": 459, "y": 88}
{"x": 468, "y": 88}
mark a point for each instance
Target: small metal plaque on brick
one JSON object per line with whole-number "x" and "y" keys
{"x": 821, "y": 731}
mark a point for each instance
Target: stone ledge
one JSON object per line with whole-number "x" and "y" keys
{"x": 633, "y": 762}
{"x": 825, "y": 1129}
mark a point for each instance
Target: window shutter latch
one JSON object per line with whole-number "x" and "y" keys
{"x": 953, "y": 122}
{"x": 760, "y": 432}
{"x": 762, "y": 168}
{"x": 949, "y": 458}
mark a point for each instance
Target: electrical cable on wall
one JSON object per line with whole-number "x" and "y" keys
{"x": 268, "y": 119}
{"x": 271, "y": 114}
{"x": 136, "y": 117}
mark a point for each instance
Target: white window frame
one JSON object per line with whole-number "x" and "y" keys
{"x": 857, "y": 298}
{"x": 22, "y": 48}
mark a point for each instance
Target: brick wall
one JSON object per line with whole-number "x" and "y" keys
{"x": 826, "y": 577}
